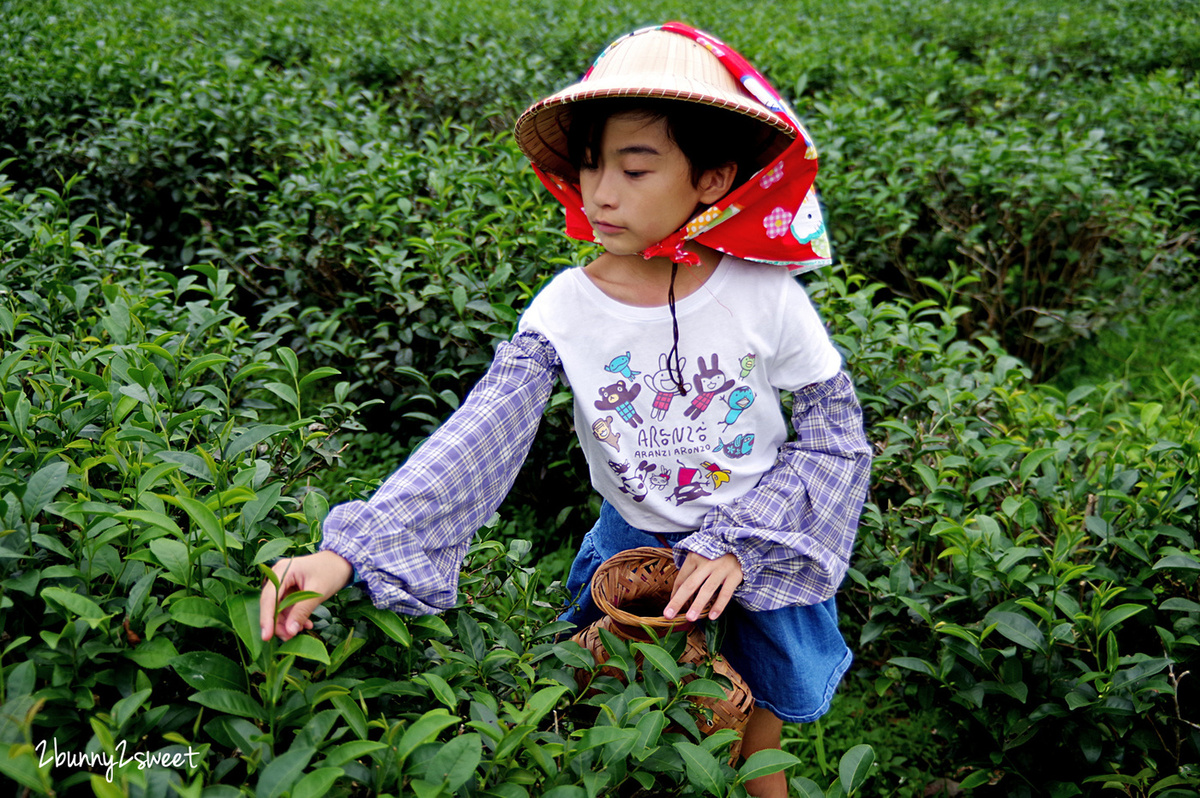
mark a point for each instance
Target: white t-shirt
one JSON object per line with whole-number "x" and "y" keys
{"x": 662, "y": 459}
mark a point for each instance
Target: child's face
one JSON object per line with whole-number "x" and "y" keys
{"x": 640, "y": 189}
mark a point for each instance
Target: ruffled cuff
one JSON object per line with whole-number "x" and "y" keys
{"x": 403, "y": 578}
{"x": 711, "y": 544}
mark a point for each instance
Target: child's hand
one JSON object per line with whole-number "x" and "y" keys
{"x": 325, "y": 572}
{"x": 704, "y": 578}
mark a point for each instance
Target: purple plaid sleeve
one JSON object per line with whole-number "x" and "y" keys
{"x": 793, "y": 532}
{"x": 408, "y": 541}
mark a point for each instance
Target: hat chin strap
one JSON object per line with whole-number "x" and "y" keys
{"x": 672, "y": 248}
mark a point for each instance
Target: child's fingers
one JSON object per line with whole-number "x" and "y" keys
{"x": 323, "y": 573}
{"x": 295, "y": 619}
{"x": 267, "y": 600}
{"x": 692, "y": 581}
{"x": 682, "y": 589}
{"x": 723, "y": 599}
{"x": 704, "y": 579}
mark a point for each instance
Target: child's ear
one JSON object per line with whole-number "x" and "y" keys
{"x": 715, "y": 183}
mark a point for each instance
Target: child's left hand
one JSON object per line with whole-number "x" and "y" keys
{"x": 704, "y": 578}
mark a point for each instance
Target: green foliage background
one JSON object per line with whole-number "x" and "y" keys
{"x": 251, "y": 255}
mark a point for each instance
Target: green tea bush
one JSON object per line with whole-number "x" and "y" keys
{"x": 372, "y": 237}
{"x": 158, "y": 454}
{"x": 1017, "y": 136}
{"x": 213, "y": 209}
{"x": 156, "y": 451}
{"x": 1054, "y": 219}
{"x": 1028, "y": 567}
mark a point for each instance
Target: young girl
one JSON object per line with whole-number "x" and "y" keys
{"x": 678, "y": 158}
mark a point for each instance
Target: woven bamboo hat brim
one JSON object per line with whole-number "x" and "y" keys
{"x": 652, "y": 63}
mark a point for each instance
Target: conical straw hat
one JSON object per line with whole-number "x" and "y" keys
{"x": 651, "y": 63}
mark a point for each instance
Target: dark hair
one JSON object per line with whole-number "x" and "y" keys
{"x": 709, "y": 137}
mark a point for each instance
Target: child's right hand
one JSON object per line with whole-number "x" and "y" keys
{"x": 325, "y": 572}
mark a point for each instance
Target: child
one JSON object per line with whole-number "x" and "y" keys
{"x": 678, "y": 158}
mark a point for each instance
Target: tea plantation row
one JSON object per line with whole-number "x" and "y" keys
{"x": 249, "y": 256}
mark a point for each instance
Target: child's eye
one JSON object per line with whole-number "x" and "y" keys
{"x": 634, "y": 173}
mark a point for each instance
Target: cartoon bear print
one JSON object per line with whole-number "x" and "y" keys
{"x": 602, "y": 431}
{"x": 709, "y": 381}
{"x": 618, "y": 397}
{"x": 662, "y": 382}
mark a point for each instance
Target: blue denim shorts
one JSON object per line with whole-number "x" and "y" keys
{"x": 792, "y": 658}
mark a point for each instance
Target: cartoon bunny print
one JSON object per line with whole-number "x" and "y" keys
{"x": 664, "y": 386}
{"x": 709, "y": 381}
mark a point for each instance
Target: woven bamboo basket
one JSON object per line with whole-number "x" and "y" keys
{"x": 640, "y": 580}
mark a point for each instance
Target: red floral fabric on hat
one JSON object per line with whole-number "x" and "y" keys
{"x": 772, "y": 218}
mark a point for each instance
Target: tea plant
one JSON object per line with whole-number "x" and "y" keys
{"x": 1029, "y": 561}
{"x": 156, "y": 452}
{"x": 158, "y": 456}
{"x": 251, "y": 254}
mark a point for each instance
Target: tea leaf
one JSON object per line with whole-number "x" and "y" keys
{"x": 541, "y": 703}
{"x": 192, "y": 464}
{"x": 204, "y": 519}
{"x": 154, "y": 654}
{"x": 422, "y": 730}
{"x": 1018, "y": 628}
{"x": 199, "y": 612}
{"x": 703, "y": 688}
{"x": 282, "y": 772}
{"x": 79, "y": 605}
{"x": 764, "y": 763}
{"x": 307, "y": 646}
{"x": 173, "y": 556}
{"x": 855, "y": 767}
{"x": 660, "y": 659}
{"x": 703, "y": 770}
{"x": 455, "y": 763}
{"x": 470, "y": 636}
{"x": 293, "y": 598}
{"x": 243, "y": 616}
{"x": 251, "y": 438}
{"x": 1111, "y": 618}
{"x": 566, "y": 791}
{"x": 442, "y": 690}
{"x": 318, "y": 374}
{"x": 42, "y": 487}
{"x": 807, "y": 788}
{"x": 352, "y": 751}
{"x": 1032, "y": 461}
{"x": 160, "y": 520}
{"x": 390, "y": 623}
{"x": 230, "y": 701}
{"x": 208, "y": 669}
{"x": 317, "y": 783}
{"x": 1178, "y": 561}
{"x": 205, "y": 362}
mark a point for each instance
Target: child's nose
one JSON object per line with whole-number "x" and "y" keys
{"x": 606, "y": 184}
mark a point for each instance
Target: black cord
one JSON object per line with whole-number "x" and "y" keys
{"x": 677, "y": 374}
